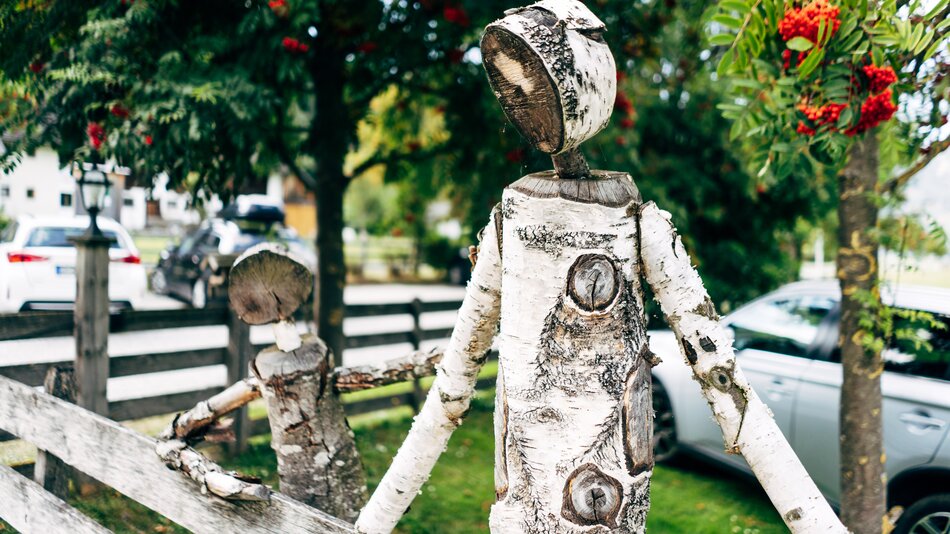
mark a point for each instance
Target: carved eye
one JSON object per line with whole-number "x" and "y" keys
{"x": 593, "y": 282}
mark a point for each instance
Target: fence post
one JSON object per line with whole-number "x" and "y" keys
{"x": 415, "y": 337}
{"x": 49, "y": 471}
{"x": 92, "y": 322}
{"x": 239, "y": 355}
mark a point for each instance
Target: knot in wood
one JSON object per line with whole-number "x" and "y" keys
{"x": 591, "y": 497}
{"x": 593, "y": 282}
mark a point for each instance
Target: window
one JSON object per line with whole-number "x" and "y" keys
{"x": 30, "y": 193}
{"x": 52, "y": 236}
{"x": 786, "y": 326}
{"x": 5, "y": 191}
{"x": 65, "y": 199}
{"x": 128, "y": 202}
{"x": 927, "y": 355}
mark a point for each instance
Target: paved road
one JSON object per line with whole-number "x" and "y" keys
{"x": 61, "y": 348}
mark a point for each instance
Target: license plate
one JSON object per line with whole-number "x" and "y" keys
{"x": 65, "y": 270}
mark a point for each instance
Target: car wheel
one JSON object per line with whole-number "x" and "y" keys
{"x": 665, "y": 446}
{"x": 930, "y": 515}
{"x": 158, "y": 282}
{"x": 199, "y": 294}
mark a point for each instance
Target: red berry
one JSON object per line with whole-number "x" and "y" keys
{"x": 96, "y": 134}
{"x": 515, "y": 156}
{"x": 626, "y": 123}
{"x": 148, "y": 140}
{"x": 367, "y": 47}
{"x": 456, "y": 15}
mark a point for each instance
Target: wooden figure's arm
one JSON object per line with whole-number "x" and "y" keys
{"x": 747, "y": 424}
{"x": 449, "y": 397}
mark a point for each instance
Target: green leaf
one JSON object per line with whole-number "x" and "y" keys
{"x": 877, "y": 55}
{"x": 811, "y": 62}
{"x": 903, "y": 29}
{"x": 924, "y": 41}
{"x": 724, "y": 65}
{"x": 943, "y": 25}
{"x": 931, "y": 51}
{"x": 937, "y": 9}
{"x": 847, "y": 27}
{"x": 722, "y": 39}
{"x": 849, "y": 43}
{"x": 886, "y": 40}
{"x": 747, "y": 83}
{"x": 799, "y": 43}
{"x": 736, "y": 5}
{"x": 844, "y": 120}
{"x": 915, "y": 36}
{"x": 822, "y": 26}
{"x": 727, "y": 21}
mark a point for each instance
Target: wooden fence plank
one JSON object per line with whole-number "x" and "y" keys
{"x": 32, "y": 373}
{"x": 148, "y": 406}
{"x": 126, "y": 460}
{"x": 30, "y": 509}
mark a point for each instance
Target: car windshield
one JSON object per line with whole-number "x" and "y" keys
{"x": 59, "y": 236}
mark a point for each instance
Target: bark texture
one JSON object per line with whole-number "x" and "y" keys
{"x": 49, "y": 471}
{"x": 449, "y": 397}
{"x": 573, "y": 407}
{"x": 747, "y": 424}
{"x": 212, "y": 477}
{"x": 267, "y": 284}
{"x": 412, "y": 366}
{"x": 194, "y": 423}
{"x": 317, "y": 460}
{"x": 552, "y": 72}
{"x": 862, "y": 447}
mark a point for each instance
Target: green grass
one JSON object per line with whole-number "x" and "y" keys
{"x": 687, "y": 497}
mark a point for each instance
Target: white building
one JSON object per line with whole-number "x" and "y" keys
{"x": 38, "y": 186}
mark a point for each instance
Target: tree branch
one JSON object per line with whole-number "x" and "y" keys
{"x": 393, "y": 157}
{"x": 935, "y": 149}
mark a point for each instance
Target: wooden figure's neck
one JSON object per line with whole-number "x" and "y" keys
{"x": 571, "y": 165}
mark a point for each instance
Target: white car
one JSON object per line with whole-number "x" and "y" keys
{"x": 38, "y": 264}
{"x": 786, "y": 343}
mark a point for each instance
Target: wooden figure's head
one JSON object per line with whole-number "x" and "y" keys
{"x": 552, "y": 72}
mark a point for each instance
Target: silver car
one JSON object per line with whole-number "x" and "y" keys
{"x": 786, "y": 345}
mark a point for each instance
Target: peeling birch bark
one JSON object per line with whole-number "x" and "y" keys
{"x": 193, "y": 424}
{"x": 449, "y": 397}
{"x": 572, "y": 365}
{"x": 414, "y": 365}
{"x": 212, "y": 477}
{"x": 317, "y": 459}
{"x": 747, "y": 424}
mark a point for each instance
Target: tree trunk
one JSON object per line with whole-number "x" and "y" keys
{"x": 862, "y": 446}
{"x": 317, "y": 458}
{"x": 332, "y": 128}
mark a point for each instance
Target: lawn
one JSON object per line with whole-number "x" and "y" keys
{"x": 687, "y": 497}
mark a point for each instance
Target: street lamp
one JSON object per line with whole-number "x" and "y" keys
{"x": 93, "y": 188}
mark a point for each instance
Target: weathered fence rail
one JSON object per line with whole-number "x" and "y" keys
{"x": 235, "y": 355}
{"x": 126, "y": 461}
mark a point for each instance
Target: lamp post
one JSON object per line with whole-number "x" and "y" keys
{"x": 92, "y": 294}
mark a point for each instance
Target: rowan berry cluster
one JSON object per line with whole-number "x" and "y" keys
{"x": 875, "y": 110}
{"x": 879, "y": 78}
{"x": 826, "y": 114}
{"x": 294, "y": 46}
{"x": 623, "y": 104}
{"x": 805, "y": 21}
{"x": 279, "y": 7}
{"x": 96, "y": 134}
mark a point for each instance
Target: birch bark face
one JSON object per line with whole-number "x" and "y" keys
{"x": 573, "y": 406}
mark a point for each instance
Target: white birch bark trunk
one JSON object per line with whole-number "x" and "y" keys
{"x": 573, "y": 407}
{"x": 747, "y": 424}
{"x": 449, "y": 396}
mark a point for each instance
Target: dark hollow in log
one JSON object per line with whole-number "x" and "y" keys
{"x": 607, "y": 188}
{"x": 591, "y": 497}
{"x": 267, "y": 284}
{"x": 524, "y": 87}
{"x": 593, "y": 282}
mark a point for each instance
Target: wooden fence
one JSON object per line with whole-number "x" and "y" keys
{"x": 235, "y": 356}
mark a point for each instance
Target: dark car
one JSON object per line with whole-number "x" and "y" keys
{"x": 196, "y": 269}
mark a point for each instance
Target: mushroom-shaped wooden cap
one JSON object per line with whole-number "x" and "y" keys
{"x": 552, "y": 72}
{"x": 267, "y": 284}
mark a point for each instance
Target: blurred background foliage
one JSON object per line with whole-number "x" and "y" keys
{"x": 219, "y": 94}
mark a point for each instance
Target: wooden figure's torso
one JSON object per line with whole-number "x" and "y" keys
{"x": 573, "y": 408}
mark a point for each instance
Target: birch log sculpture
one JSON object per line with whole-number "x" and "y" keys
{"x": 317, "y": 460}
{"x": 561, "y": 262}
